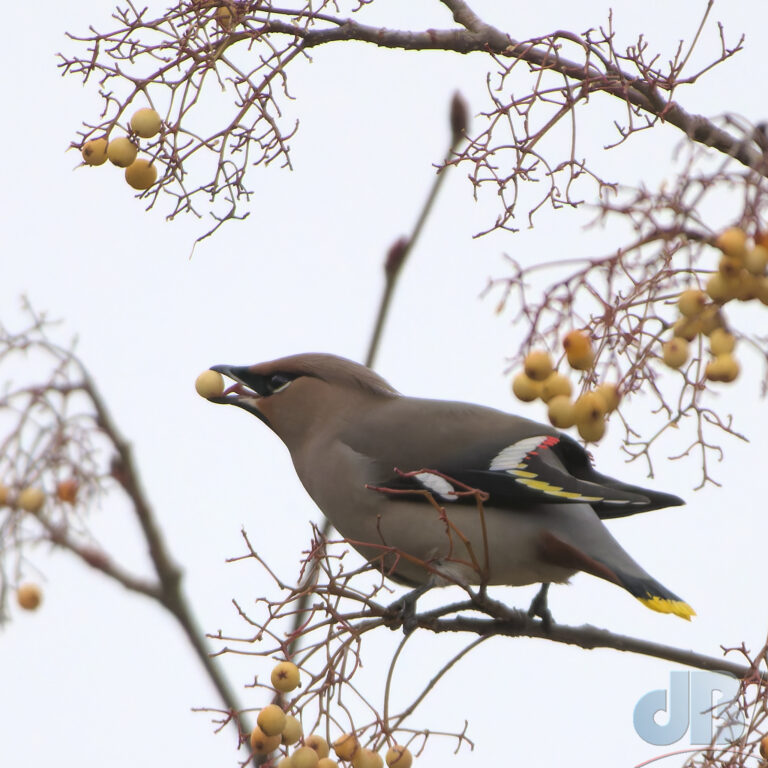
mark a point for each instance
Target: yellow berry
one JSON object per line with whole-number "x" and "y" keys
{"x": 94, "y": 152}
{"x": 141, "y": 174}
{"x": 687, "y": 328}
{"x": 3, "y": 494}
{"x": 578, "y": 350}
{"x": 399, "y": 757}
{"x": 692, "y": 302}
{"x": 146, "y": 123}
{"x": 733, "y": 242}
{"x": 591, "y": 406}
{"x": 610, "y": 393}
{"x": 304, "y": 757}
{"x": 729, "y": 267}
{"x": 291, "y": 731}
{"x": 326, "y": 762}
{"x": 537, "y": 364}
{"x": 122, "y": 152}
{"x": 285, "y": 677}
{"x": 31, "y": 500}
{"x": 29, "y": 596}
{"x": 721, "y": 289}
{"x": 757, "y": 260}
{"x": 764, "y": 747}
{"x": 555, "y": 384}
{"x": 591, "y": 431}
{"x": 746, "y": 286}
{"x": 209, "y": 384}
{"x": 721, "y": 342}
{"x": 285, "y": 762}
{"x": 346, "y": 746}
{"x": 224, "y": 17}
{"x": 319, "y": 744}
{"x": 367, "y": 758}
{"x": 722, "y": 368}
{"x": 261, "y": 744}
{"x": 710, "y": 319}
{"x": 525, "y": 388}
{"x": 271, "y": 720}
{"x": 560, "y": 412}
{"x": 675, "y": 352}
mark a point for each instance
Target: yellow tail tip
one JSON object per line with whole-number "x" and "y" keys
{"x": 663, "y": 605}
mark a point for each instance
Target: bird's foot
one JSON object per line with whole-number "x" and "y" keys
{"x": 403, "y": 610}
{"x": 539, "y": 608}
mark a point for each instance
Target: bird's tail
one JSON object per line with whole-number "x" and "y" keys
{"x": 654, "y": 595}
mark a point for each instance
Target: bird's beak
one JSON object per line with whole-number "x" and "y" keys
{"x": 248, "y": 389}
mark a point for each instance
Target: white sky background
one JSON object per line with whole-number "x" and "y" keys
{"x": 100, "y": 676}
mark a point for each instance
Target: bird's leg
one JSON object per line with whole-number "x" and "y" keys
{"x": 539, "y": 606}
{"x": 405, "y": 607}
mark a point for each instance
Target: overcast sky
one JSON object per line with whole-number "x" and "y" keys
{"x": 101, "y": 676}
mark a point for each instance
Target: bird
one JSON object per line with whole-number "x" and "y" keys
{"x": 439, "y": 492}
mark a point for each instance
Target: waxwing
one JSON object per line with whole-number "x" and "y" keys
{"x": 391, "y": 473}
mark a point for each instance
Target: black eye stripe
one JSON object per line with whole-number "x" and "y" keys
{"x": 279, "y": 381}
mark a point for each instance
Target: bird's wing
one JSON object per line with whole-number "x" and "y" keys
{"x": 517, "y": 462}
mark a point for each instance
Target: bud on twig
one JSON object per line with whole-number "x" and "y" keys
{"x": 395, "y": 256}
{"x": 459, "y": 117}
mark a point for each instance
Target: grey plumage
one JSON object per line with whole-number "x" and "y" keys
{"x": 349, "y": 432}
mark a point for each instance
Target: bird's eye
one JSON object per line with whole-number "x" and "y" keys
{"x": 279, "y": 382}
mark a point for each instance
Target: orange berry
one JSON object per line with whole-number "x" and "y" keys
{"x": 29, "y": 596}
{"x": 578, "y": 350}
{"x": 66, "y": 490}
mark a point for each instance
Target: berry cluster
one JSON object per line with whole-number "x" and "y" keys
{"x": 32, "y": 499}
{"x": 140, "y": 173}
{"x": 539, "y": 379}
{"x": 740, "y": 276}
{"x": 275, "y": 728}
